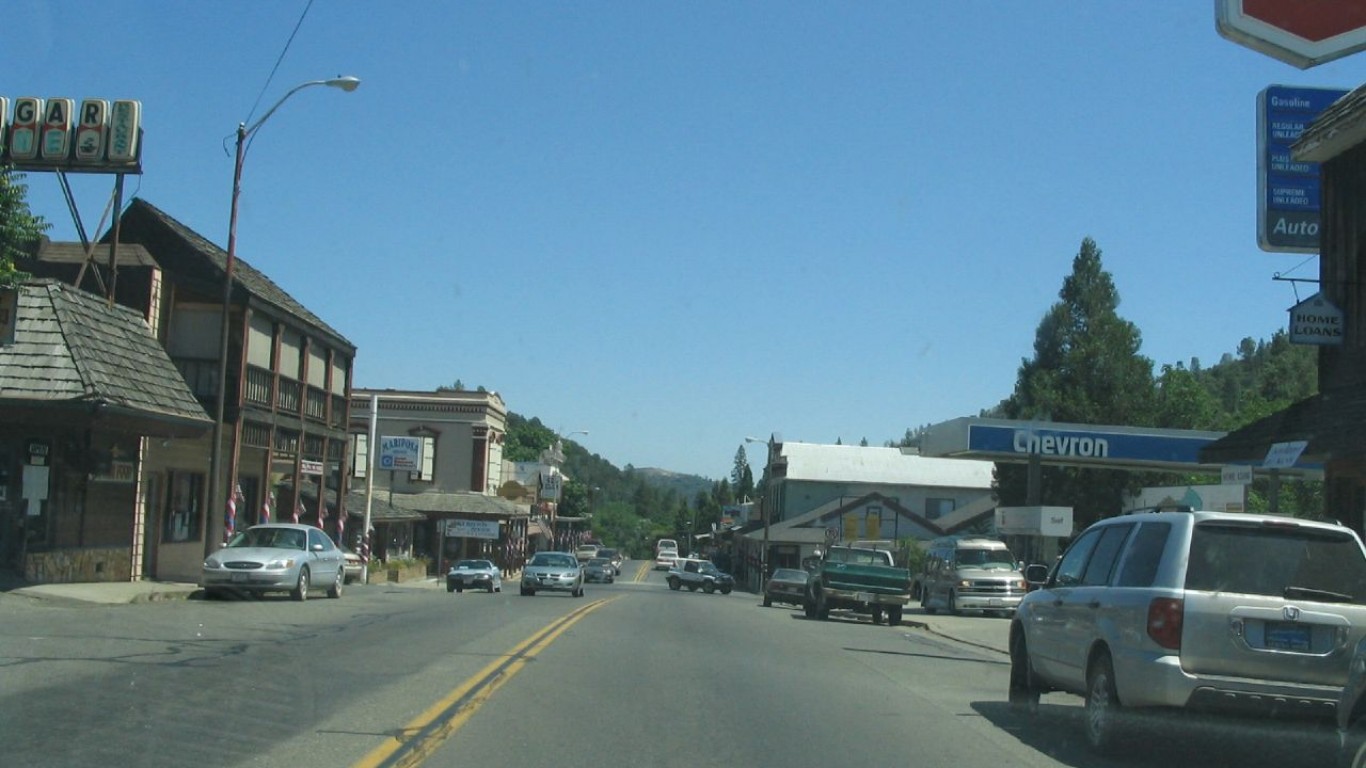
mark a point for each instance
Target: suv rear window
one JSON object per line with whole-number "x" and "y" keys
{"x": 1277, "y": 561}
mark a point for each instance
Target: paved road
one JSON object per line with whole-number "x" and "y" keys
{"x": 632, "y": 673}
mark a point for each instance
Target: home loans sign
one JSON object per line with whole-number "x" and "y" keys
{"x": 94, "y": 136}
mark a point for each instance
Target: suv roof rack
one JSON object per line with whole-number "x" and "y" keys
{"x": 1160, "y": 508}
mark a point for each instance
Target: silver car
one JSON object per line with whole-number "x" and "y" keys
{"x": 553, "y": 571}
{"x": 276, "y": 557}
{"x": 1241, "y": 614}
{"x": 474, "y": 574}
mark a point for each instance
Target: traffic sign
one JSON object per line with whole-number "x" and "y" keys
{"x": 1304, "y": 33}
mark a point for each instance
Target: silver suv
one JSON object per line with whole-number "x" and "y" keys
{"x": 1251, "y": 615}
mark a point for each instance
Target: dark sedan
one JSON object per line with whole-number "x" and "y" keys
{"x": 787, "y": 585}
{"x": 599, "y": 569}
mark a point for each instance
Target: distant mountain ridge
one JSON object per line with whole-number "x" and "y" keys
{"x": 687, "y": 486}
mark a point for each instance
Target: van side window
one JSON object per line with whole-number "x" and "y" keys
{"x": 1144, "y": 555}
{"x": 1102, "y": 562}
{"x": 1074, "y": 562}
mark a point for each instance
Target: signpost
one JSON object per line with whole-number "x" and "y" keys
{"x": 1304, "y": 33}
{"x": 1288, "y": 191}
{"x": 400, "y": 453}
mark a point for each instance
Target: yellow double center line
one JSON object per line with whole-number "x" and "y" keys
{"x": 416, "y": 741}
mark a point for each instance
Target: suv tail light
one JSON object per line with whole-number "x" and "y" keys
{"x": 1164, "y": 621}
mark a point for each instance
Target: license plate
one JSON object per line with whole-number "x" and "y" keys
{"x": 1287, "y": 636}
{"x": 996, "y": 601}
{"x": 863, "y": 597}
{"x": 239, "y": 577}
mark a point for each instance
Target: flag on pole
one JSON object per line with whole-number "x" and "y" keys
{"x": 265, "y": 508}
{"x": 341, "y": 528}
{"x": 322, "y": 514}
{"x": 230, "y": 521}
{"x": 298, "y": 508}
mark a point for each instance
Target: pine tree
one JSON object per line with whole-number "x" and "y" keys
{"x": 1086, "y": 370}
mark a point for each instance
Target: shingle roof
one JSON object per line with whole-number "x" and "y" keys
{"x": 71, "y": 347}
{"x": 457, "y": 502}
{"x": 1337, "y": 129}
{"x": 144, "y": 222}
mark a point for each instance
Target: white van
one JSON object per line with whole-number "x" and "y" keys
{"x": 971, "y": 574}
{"x": 664, "y": 544}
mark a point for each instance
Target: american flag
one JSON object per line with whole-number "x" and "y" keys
{"x": 230, "y": 522}
{"x": 298, "y": 508}
{"x": 322, "y": 514}
{"x": 265, "y": 508}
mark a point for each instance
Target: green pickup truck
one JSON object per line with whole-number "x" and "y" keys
{"x": 859, "y": 579}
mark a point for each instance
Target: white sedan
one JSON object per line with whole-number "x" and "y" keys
{"x": 474, "y": 574}
{"x": 666, "y": 559}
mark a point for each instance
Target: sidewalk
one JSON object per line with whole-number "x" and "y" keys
{"x": 127, "y": 592}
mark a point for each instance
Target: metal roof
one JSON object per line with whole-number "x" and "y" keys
{"x": 887, "y": 466}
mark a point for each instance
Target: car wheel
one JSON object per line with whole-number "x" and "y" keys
{"x": 725, "y": 590}
{"x": 490, "y": 588}
{"x": 709, "y": 587}
{"x": 894, "y": 616}
{"x": 877, "y": 615}
{"x": 674, "y": 583}
{"x": 925, "y": 604}
{"x": 527, "y": 592}
{"x": 450, "y": 587}
{"x": 1023, "y": 695}
{"x": 335, "y": 591}
{"x": 300, "y": 592}
{"x": 1353, "y": 753}
{"x": 768, "y": 601}
{"x": 1102, "y": 705}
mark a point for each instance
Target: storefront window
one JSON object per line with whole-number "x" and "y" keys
{"x": 184, "y": 507}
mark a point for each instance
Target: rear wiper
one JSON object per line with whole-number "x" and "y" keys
{"x": 1317, "y": 594}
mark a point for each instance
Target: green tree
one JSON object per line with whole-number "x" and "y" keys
{"x": 741, "y": 476}
{"x": 1087, "y": 370}
{"x": 19, "y": 228}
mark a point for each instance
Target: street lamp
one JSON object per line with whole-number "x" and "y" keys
{"x": 244, "y": 131}
{"x": 766, "y": 502}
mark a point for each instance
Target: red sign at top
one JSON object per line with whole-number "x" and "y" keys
{"x": 1299, "y": 32}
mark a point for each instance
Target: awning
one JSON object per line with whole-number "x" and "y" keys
{"x": 464, "y": 504}
{"x": 1331, "y": 423}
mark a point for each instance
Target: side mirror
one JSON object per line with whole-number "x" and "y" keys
{"x": 1035, "y": 575}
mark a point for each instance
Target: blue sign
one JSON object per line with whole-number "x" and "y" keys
{"x": 1288, "y": 191}
{"x": 1086, "y": 446}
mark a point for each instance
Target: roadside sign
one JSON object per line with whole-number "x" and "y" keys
{"x": 400, "y": 453}
{"x": 1304, "y": 33}
{"x": 308, "y": 467}
{"x": 1235, "y": 474}
{"x": 1316, "y": 320}
{"x": 1284, "y": 455}
{"x": 1288, "y": 191}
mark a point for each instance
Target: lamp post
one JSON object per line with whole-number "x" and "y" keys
{"x": 244, "y": 131}
{"x": 766, "y": 502}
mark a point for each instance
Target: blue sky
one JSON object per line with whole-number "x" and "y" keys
{"x": 679, "y": 224}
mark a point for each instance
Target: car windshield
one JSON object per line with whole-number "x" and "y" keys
{"x": 815, "y": 286}
{"x": 554, "y": 561}
{"x": 277, "y": 538}
{"x": 989, "y": 559}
